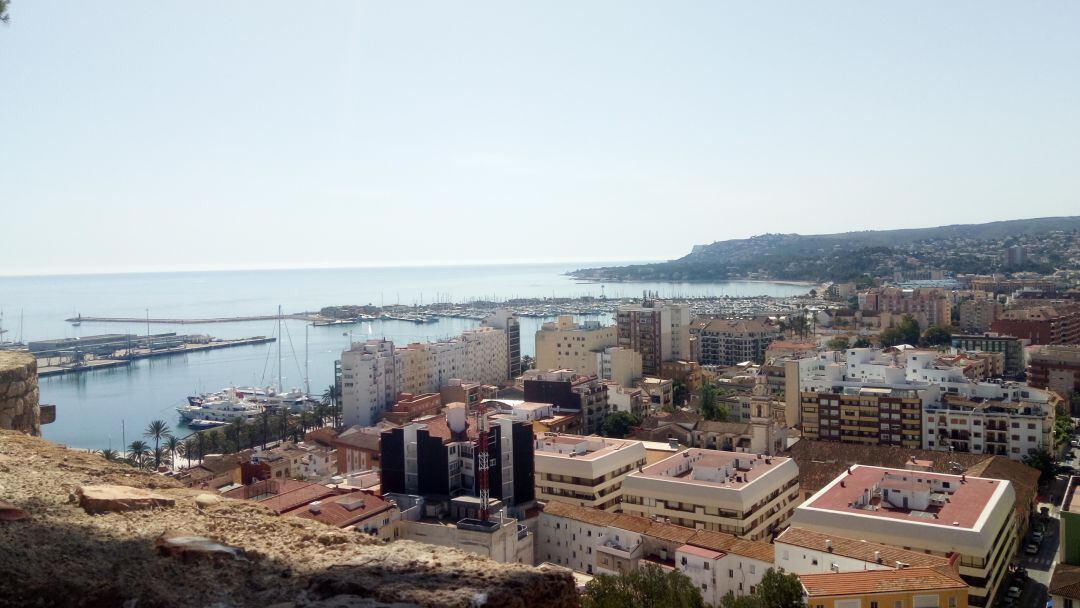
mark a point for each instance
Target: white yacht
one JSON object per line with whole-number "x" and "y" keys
{"x": 218, "y": 409}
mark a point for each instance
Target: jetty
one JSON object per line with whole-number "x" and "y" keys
{"x": 302, "y": 316}
{"x": 124, "y": 357}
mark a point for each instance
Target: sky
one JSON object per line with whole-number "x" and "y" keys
{"x": 189, "y": 135}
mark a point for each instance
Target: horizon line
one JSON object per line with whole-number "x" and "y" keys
{"x": 75, "y": 272}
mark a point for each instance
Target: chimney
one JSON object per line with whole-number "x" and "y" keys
{"x": 877, "y": 557}
{"x": 315, "y": 507}
{"x": 828, "y": 545}
{"x": 963, "y": 478}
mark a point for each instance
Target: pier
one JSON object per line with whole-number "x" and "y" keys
{"x": 122, "y": 358}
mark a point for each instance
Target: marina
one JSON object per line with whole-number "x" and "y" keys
{"x": 125, "y": 357}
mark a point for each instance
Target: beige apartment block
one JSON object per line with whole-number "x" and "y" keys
{"x": 586, "y": 471}
{"x": 748, "y": 495}
{"x": 565, "y": 344}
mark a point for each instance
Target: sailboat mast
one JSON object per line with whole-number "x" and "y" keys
{"x": 279, "y": 387}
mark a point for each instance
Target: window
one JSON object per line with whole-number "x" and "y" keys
{"x": 684, "y": 561}
{"x": 952, "y": 602}
{"x": 752, "y": 568}
{"x": 706, "y": 565}
{"x": 873, "y": 605}
{"x": 704, "y": 587}
{"x": 731, "y": 574}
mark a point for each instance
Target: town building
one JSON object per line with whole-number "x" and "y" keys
{"x": 436, "y": 458}
{"x": 502, "y": 539}
{"x": 358, "y": 449}
{"x": 928, "y": 306}
{"x": 977, "y": 315}
{"x": 1056, "y": 368}
{"x": 619, "y": 364}
{"x": 360, "y": 511}
{"x": 586, "y": 471}
{"x": 374, "y": 373}
{"x": 1010, "y": 347}
{"x": 748, "y": 495}
{"x": 803, "y": 551}
{"x": 658, "y": 393}
{"x": 457, "y": 390}
{"x": 410, "y": 407}
{"x": 624, "y": 399}
{"x": 564, "y": 344}
{"x": 764, "y": 434}
{"x": 918, "y": 587}
{"x": 923, "y": 511}
{"x": 902, "y": 397}
{"x": 1041, "y": 324}
{"x": 659, "y": 331}
{"x": 282, "y": 495}
{"x": 733, "y": 341}
{"x": 795, "y": 349}
{"x": 505, "y": 320}
{"x": 592, "y": 541}
{"x": 570, "y": 392}
{"x": 689, "y": 374}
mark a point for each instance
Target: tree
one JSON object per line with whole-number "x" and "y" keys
{"x": 4, "y": 16}
{"x": 813, "y": 293}
{"x": 618, "y": 424}
{"x": 137, "y": 452}
{"x": 909, "y": 330}
{"x": 192, "y": 447}
{"x": 157, "y": 430}
{"x": 1044, "y": 462}
{"x": 161, "y": 456}
{"x": 109, "y": 454}
{"x": 647, "y": 586}
{"x": 937, "y": 335}
{"x": 711, "y": 408}
{"x": 779, "y": 590}
{"x": 527, "y": 362}
{"x": 742, "y": 601}
{"x": 837, "y": 343}
{"x": 173, "y": 445}
{"x": 861, "y": 342}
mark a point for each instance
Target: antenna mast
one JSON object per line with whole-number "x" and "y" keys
{"x": 483, "y": 462}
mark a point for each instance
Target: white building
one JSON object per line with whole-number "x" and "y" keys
{"x": 922, "y": 511}
{"x": 804, "y": 551}
{"x": 598, "y": 542}
{"x": 373, "y": 373}
{"x": 586, "y": 471}
{"x": 747, "y": 495}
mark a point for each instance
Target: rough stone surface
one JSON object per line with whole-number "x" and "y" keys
{"x": 204, "y": 501}
{"x": 63, "y": 556}
{"x": 113, "y": 498}
{"x": 19, "y": 392}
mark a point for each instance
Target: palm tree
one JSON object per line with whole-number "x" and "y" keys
{"x": 238, "y": 428}
{"x": 157, "y": 431}
{"x": 161, "y": 456}
{"x": 265, "y": 426}
{"x": 137, "y": 452}
{"x": 283, "y": 420}
{"x": 190, "y": 450}
{"x": 173, "y": 445}
{"x": 200, "y": 440}
{"x": 109, "y": 454}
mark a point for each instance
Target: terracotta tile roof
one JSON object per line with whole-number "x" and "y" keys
{"x": 717, "y": 426}
{"x": 857, "y": 549}
{"x": 698, "y": 551}
{"x": 1065, "y": 582}
{"x": 716, "y": 541}
{"x": 864, "y": 582}
{"x": 358, "y": 437}
{"x": 333, "y": 512}
{"x": 289, "y": 500}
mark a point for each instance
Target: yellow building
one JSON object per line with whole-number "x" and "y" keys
{"x": 939, "y": 587}
{"x": 867, "y": 415}
{"x": 568, "y": 345}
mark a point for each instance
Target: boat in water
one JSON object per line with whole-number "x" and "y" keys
{"x": 294, "y": 399}
{"x": 202, "y": 425}
{"x": 221, "y": 408}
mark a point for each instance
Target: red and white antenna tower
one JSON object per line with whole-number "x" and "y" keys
{"x": 483, "y": 464}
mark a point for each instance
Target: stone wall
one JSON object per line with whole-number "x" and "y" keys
{"x": 19, "y": 393}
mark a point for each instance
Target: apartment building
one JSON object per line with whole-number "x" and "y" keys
{"x": 505, "y": 320}
{"x": 436, "y": 458}
{"x": 916, "y": 587}
{"x": 1056, "y": 368}
{"x": 357, "y": 449}
{"x": 928, "y": 305}
{"x": 1010, "y": 347}
{"x": 598, "y": 542}
{"x": 360, "y": 511}
{"x": 621, "y": 365}
{"x": 1041, "y": 324}
{"x": 905, "y": 398}
{"x": 978, "y": 314}
{"x": 565, "y": 344}
{"x": 804, "y": 551}
{"x": 659, "y": 331}
{"x": 657, "y": 392}
{"x": 373, "y": 373}
{"x": 732, "y": 341}
{"x": 586, "y": 471}
{"x": 922, "y": 511}
{"x": 747, "y": 495}
{"x": 410, "y": 407}
{"x": 570, "y": 392}
{"x": 624, "y": 399}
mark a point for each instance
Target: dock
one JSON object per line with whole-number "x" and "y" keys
{"x": 124, "y": 358}
{"x": 303, "y": 316}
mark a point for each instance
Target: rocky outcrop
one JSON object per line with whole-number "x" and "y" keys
{"x": 19, "y": 393}
{"x": 228, "y": 553}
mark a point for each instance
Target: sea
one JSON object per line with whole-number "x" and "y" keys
{"x": 106, "y": 408}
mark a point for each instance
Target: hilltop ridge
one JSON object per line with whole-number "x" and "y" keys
{"x": 961, "y": 248}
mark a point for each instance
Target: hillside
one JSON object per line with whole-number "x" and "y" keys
{"x": 1049, "y": 243}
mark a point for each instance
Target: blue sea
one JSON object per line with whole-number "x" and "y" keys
{"x": 96, "y": 409}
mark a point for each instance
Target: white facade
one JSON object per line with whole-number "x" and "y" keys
{"x": 373, "y": 373}
{"x": 716, "y": 573}
{"x": 586, "y": 471}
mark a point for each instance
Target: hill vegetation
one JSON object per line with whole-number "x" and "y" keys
{"x": 961, "y": 248}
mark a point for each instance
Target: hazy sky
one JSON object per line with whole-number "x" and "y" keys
{"x": 172, "y": 135}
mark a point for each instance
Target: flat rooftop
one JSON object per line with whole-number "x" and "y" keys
{"x": 579, "y": 447}
{"x": 713, "y": 468}
{"x": 960, "y": 500}
{"x": 1071, "y": 504}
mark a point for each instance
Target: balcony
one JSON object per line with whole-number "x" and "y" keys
{"x": 620, "y": 549}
